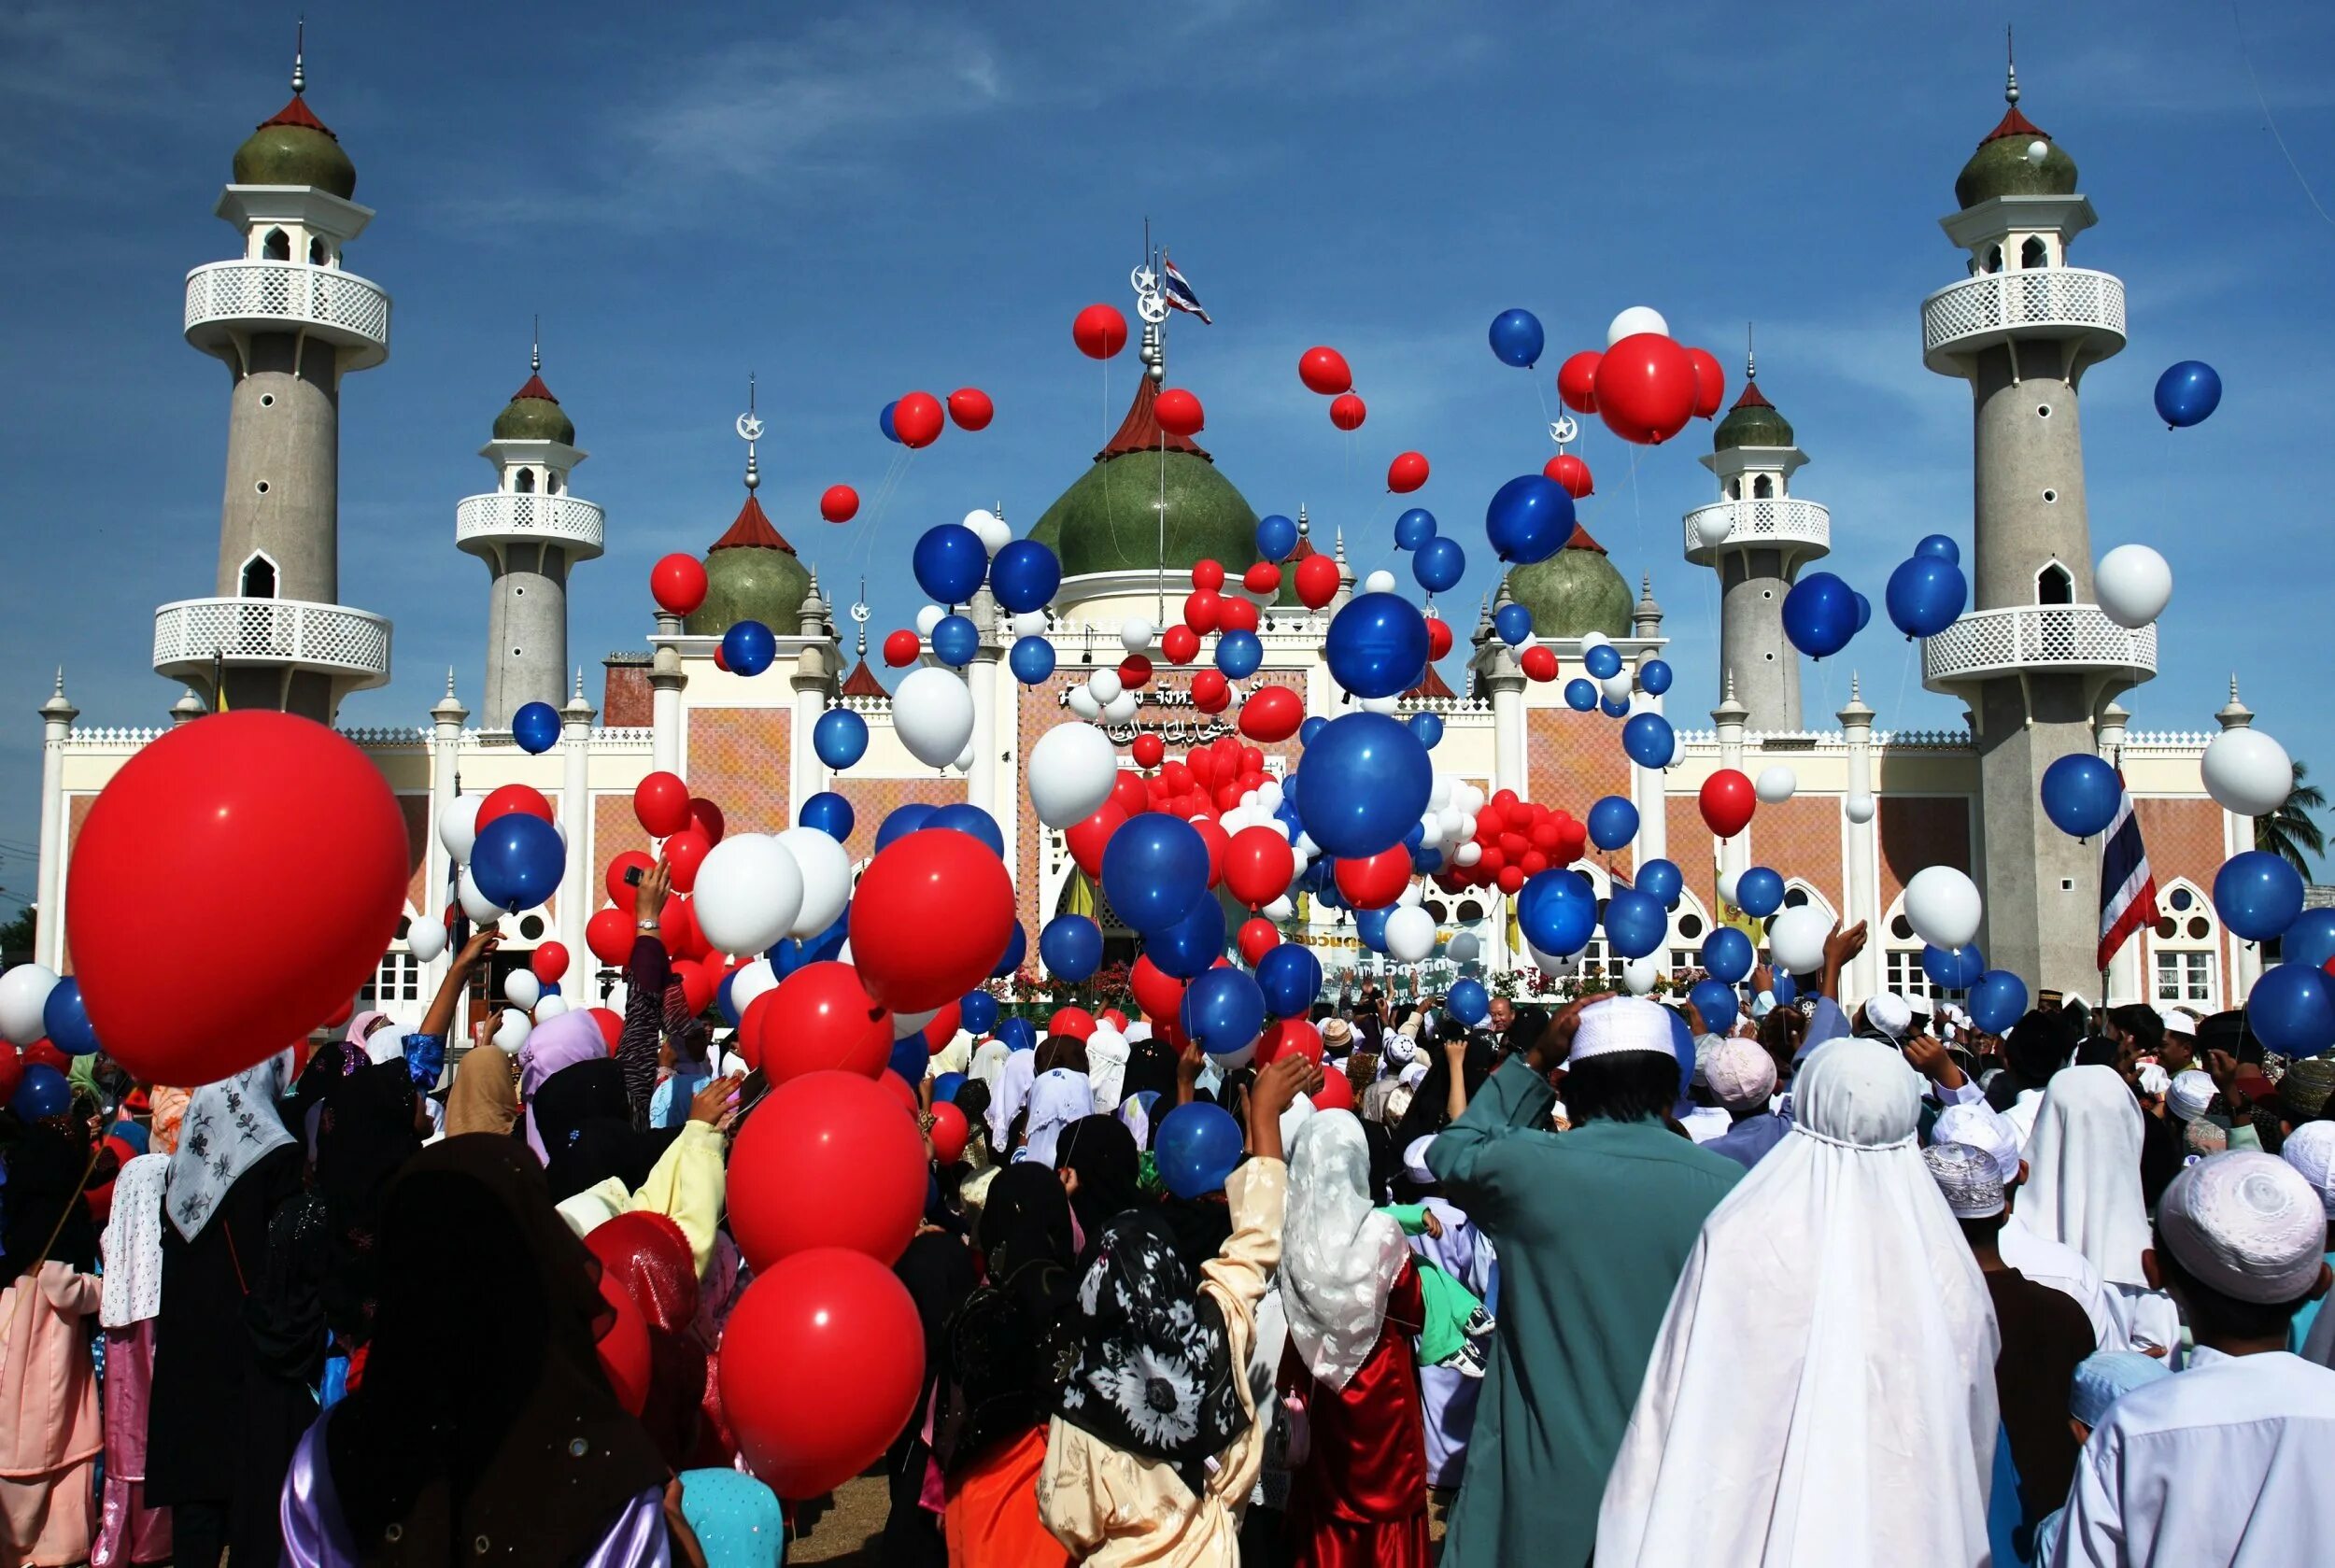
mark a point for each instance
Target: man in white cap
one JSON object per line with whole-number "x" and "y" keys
{"x": 2311, "y": 1150}
{"x": 2227, "y": 1463}
{"x": 2053, "y": 1265}
{"x": 2192, "y": 1095}
{"x": 1741, "y": 1077}
{"x": 1592, "y": 1227}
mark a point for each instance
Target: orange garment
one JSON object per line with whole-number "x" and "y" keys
{"x": 49, "y": 1430}
{"x": 170, "y": 1108}
{"x": 991, "y": 1520}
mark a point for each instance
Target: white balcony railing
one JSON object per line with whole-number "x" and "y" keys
{"x": 231, "y": 299}
{"x": 1799, "y": 526}
{"x": 504, "y": 517}
{"x": 2047, "y": 301}
{"x": 192, "y": 635}
{"x": 2035, "y": 638}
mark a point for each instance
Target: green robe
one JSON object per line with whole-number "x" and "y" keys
{"x": 1592, "y": 1228}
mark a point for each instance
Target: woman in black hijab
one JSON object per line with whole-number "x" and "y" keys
{"x": 585, "y": 1116}
{"x": 1097, "y": 1159}
{"x": 1151, "y": 1065}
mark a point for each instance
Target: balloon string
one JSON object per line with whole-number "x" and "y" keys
{"x": 1904, "y": 672}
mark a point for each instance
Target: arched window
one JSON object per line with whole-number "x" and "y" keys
{"x": 317, "y": 255}
{"x": 2053, "y": 586}
{"x": 551, "y": 483}
{"x": 2184, "y": 964}
{"x": 277, "y": 247}
{"x": 1763, "y": 487}
{"x": 526, "y": 484}
{"x": 259, "y": 578}
{"x": 1994, "y": 259}
{"x": 2033, "y": 254}
{"x": 1735, "y": 489}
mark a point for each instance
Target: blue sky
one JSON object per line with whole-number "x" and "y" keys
{"x": 859, "y": 201}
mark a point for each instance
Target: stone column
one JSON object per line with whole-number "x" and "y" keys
{"x": 980, "y": 780}
{"x": 1505, "y": 682}
{"x": 815, "y": 678}
{"x": 1861, "y": 845}
{"x": 665, "y": 681}
{"x": 446, "y": 767}
{"x": 56, "y": 728}
{"x": 577, "y": 893}
{"x": 2245, "y": 958}
{"x": 1735, "y": 855}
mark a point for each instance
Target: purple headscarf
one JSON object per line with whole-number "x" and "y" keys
{"x": 564, "y": 1042}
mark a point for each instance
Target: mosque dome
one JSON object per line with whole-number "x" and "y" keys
{"x": 1110, "y": 519}
{"x": 295, "y": 149}
{"x": 534, "y": 414}
{"x": 2002, "y": 165}
{"x": 1573, "y": 592}
{"x": 751, "y": 574}
{"x": 1753, "y": 421}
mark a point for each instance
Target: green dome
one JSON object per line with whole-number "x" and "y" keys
{"x": 1110, "y": 519}
{"x": 535, "y": 415}
{"x": 1753, "y": 421}
{"x": 295, "y": 149}
{"x": 1574, "y": 591}
{"x": 751, "y": 574}
{"x": 2000, "y": 166}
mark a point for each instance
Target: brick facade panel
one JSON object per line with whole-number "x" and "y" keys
{"x": 2183, "y": 840}
{"x": 625, "y": 699}
{"x": 738, "y": 759}
{"x": 1917, "y": 831}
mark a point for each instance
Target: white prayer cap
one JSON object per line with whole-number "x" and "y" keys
{"x": 1975, "y": 1126}
{"x": 1741, "y": 1073}
{"x": 2178, "y": 1022}
{"x": 1889, "y": 1013}
{"x": 1401, "y": 1048}
{"x": 1411, "y": 1076}
{"x": 1704, "y": 1047}
{"x": 1415, "y": 1161}
{"x": 2192, "y": 1091}
{"x": 1967, "y": 1179}
{"x": 2202, "y": 1136}
{"x": 1623, "y": 1023}
{"x": 2311, "y": 1150}
{"x": 1300, "y": 1112}
{"x": 2105, "y": 1376}
{"x": 2245, "y": 1224}
{"x": 2154, "y": 1078}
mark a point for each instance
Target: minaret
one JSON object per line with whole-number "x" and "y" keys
{"x": 288, "y": 323}
{"x": 529, "y": 530}
{"x": 2037, "y": 662}
{"x": 1757, "y": 536}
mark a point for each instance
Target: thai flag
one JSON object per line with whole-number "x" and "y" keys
{"x": 1180, "y": 294}
{"x": 2128, "y": 891}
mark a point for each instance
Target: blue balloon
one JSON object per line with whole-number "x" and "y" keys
{"x": 1760, "y": 892}
{"x": 955, "y": 641}
{"x": 1291, "y": 977}
{"x": 1019, "y": 1034}
{"x": 518, "y": 861}
{"x": 1727, "y": 954}
{"x": 950, "y": 561}
{"x": 1612, "y": 823}
{"x": 1517, "y": 338}
{"x": 1195, "y": 1147}
{"x": 1925, "y": 595}
{"x": 748, "y": 647}
{"x": 840, "y": 738}
{"x": 1023, "y": 576}
{"x": 1015, "y": 953}
{"x": 1557, "y": 911}
{"x": 1937, "y": 546}
{"x": 1786, "y": 989}
{"x": 2311, "y": 939}
{"x": 1614, "y": 708}
{"x": 1580, "y": 695}
{"x": 2080, "y": 793}
{"x": 884, "y": 420}
{"x": 978, "y": 1013}
{"x": 1305, "y": 732}
{"x": 1155, "y": 869}
{"x": 1654, "y": 675}
{"x": 1513, "y": 622}
{"x": 1376, "y": 646}
{"x": 1189, "y": 948}
{"x": 1239, "y": 653}
{"x": 1364, "y": 781}
{"x": 65, "y": 1019}
{"x": 903, "y": 820}
{"x": 1276, "y": 537}
{"x": 1636, "y": 925}
{"x": 42, "y": 1092}
{"x": 830, "y": 813}
{"x": 1439, "y": 564}
{"x": 1953, "y": 968}
{"x": 536, "y": 728}
{"x": 1031, "y": 661}
{"x": 1072, "y": 947}
{"x": 2258, "y": 894}
{"x": 910, "y": 1058}
{"x": 792, "y": 953}
{"x": 967, "y": 818}
{"x": 133, "y": 1134}
{"x": 1427, "y": 726}
{"x": 1864, "y": 611}
{"x": 1414, "y": 528}
{"x": 1821, "y": 614}
{"x": 1714, "y": 999}
{"x": 1649, "y": 741}
{"x": 945, "y": 1086}
{"x": 1468, "y": 1002}
{"x": 1662, "y": 880}
{"x": 2186, "y": 393}
{"x": 1998, "y": 999}
{"x": 1371, "y": 927}
{"x": 2291, "y": 1009}
{"x": 1529, "y": 519}
{"x": 1222, "y": 1011}
{"x": 1603, "y": 661}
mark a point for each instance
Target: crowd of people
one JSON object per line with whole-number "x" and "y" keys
{"x": 1584, "y": 1282}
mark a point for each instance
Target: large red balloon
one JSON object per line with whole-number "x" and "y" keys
{"x": 168, "y": 855}
{"x": 933, "y": 914}
{"x": 819, "y": 1019}
{"x": 1538, "y": 662}
{"x": 1077, "y": 1022}
{"x": 1374, "y": 881}
{"x": 1576, "y": 382}
{"x": 839, "y": 504}
{"x": 684, "y": 852}
{"x": 623, "y": 1348}
{"x": 707, "y": 818}
{"x": 1728, "y": 801}
{"x": 821, "y": 1365}
{"x": 1180, "y": 645}
{"x": 1210, "y": 691}
{"x": 1289, "y": 1034}
{"x": 916, "y": 420}
{"x": 1160, "y": 993}
{"x": 514, "y": 798}
{"x": 826, "y": 1160}
{"x": 1272, "y": 713}
{"x": 1570, "y": 472}
{"x": 609, "y": 934}
{"x": 610, "y": 1025}
{"x": 550, "y": 962}
{"x": 1127, "y": 793}
{"x": 948, "y": 1133}
{"x": 1317, "y": 581}
{"x": 1259, "y": 865}
{"x": 1258, "y": 937}
{"x": 970, "y": 406}
{"x": 1086, "y": 839}
{"x": 1207, "y": 574}
{"x": 1348, "y": 412}
{"x": 1407, "y": 473}
{"x": 619, "y": 890}
{"x": 677, "y": 926}
{"x": 1324, "y": 371}
{"x": 678, "y": 582}
{"x": 1710, "y": 382}
{"x": 661, "y": 802}
{"x": 942, "y": 1027}
{"x": 1099, "y": 330}
{"x": 1646, "y": 388}
{"x": 1336, "y": 1093}
{"x": 1201, "y": 608}
{"x": 1179, "y": 412}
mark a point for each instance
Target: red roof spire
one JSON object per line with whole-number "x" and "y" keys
{"x": 1140, "y": 430}
{"x": 2014, "y": 123}
{"x": 1582, "y": 541}
{"x": 862, "y": 682}
{"x": 534, "y": 389}
{"x": 297, "y": 112}
{"x": 751, "y": 532}
{"x": 1752, "y": 397}
{"x": 1430, "y": 684}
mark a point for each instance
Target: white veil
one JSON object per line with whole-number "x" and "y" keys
{"x": 2083, "y": 1172}
{"x": 1339, "y": 1255}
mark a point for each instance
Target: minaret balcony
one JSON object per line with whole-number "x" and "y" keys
{"x": 194, "y": 637}
{"x": 1800, "y": 528}
{"x": 2038, "y": 640}
{"x": 490, "y": 523}
{"x": 2055, "y": 302}
{"x": 229, "y": 302}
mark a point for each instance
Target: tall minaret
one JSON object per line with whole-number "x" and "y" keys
{"x": 1757, "y": 536}
{"x": 2037, "y": 662}
{"x": 529, "y": 530}
{"x": 288, "y": 322}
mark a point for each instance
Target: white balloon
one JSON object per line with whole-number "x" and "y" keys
{"x": 1942, "y": 907}
{"x": 1381, "y": 581}
{"x": 826, "y": 869}
{"x": 749, "y": 892}
{"x": 1796, "y": 940}
{"x": 2037, "y": 151}
{"x": 1232, "y": 1061}
{"x": 980, "y": 518}
{"x": 1380, "y": 704}
{"x": 1774, "y": 785}
{"x": 991, "y": 529}
{"x": 1593, "y": 640}
{"x": 512, "y": 1031}
{"x": 1268, "y": 794}
{"x": 1464, "y": 948}
{"x": 1135, "y": 634}
{"x": 1409, "y": 934}
{"x": 907, "y": 1023}
{"x": 1467, "y": 853}
{"x": 932, "y": 712}
{"x": 457, "y": 825}
{"x": 1715, "y": 527}
{"x": 1471, "y": 799}
{"x": 1104, "y": 683}
{"x": 522, "y": 989}
{"x": 1279, "y": 909}
{"x": 1726, "y": 886}
{"x": 1637, "y": 318}
{"x": 425, "y": 939}
{"x": 1030, "y": 622}
{"x": 1638, "y": 976}
{"x": 1120, "y": 709}
{"x": 1467, "y": 823}
{"x": 964, "y": 763}
{"x": 1556, "y": 966}
{"x": 1448, "y": 820}
{"x": 24, "y": 995}
{"x": 1082, "y": 703}
{"x": 2133, "y": 585}
{"x": 1614, "y": 687}
{"x": 481, "y": 909}
{"x": 1070, "y": 771}
{"x": 1430, "y": 830}
{"x": 929, "y": 618}
{"x": 2247, "y": 772}
{"x": 1858, "y": 809}
{"x": 752, "y": 981}
{"x": 550, "y": 1006}
{"x": 1439, "y": 792}
{"x": 1412, "y": 893}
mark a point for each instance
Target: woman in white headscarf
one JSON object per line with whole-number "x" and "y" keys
{"x": 2084, "y": 1190}
{"x": 1057, "y": 1098}
{"x": 1822, "y": 1390}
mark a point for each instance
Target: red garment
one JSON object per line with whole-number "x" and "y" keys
{"x": 1360, "y": 1499}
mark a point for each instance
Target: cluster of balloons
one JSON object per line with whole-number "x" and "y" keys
{"x": 1326, "y": 371}
{"x": 511, "y": 851}
{"x": 1927, "y": 591}
{"x": 916, "y": 420}
{"x": 1502, "y": 841}
{"x": 1646, "y": 386}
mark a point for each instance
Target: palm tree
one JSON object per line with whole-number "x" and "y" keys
{"x": 2289, "y": 832}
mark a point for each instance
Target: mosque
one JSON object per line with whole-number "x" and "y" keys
{"x": 2040, "y": 669}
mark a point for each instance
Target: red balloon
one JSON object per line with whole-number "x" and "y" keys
{"x": 1728, "y": 801}
{"x": 916, "y": 420}
{"x": 902, "y": 1093}
{"x": 661, "y": 802}
{"x": 1127, "y": 793}
{"x": 1512, "y": 880}
{"x": 1208, "y": 574}
{"x": 1324, "y": 371}
{"x": 684, "y": 852}
{"x": 721, "y": 659}
{"x": 1201, "y": 607}
{"x": 1180, "y": 643}
{"x": 933, "y": 914}
{"x": 1086, "y": 839}
{"x": 821, "y": 1365}
{"x": 943, "y": 1027}
{"x": 901, "y": 647}
{"x": 1077, "y": 1022}
{"x": 1178, "y": 412}
{"x": 1099, "y": 330}
{"x": 840, "y": 1136}
{"x": 1576, "y": 382}
{"x": 1272, "y": 713}
{"x": 619, "y": 890}
{"x": 1336, "y": 1093}
{"x": 1237, "y": 614}
{"x": 1540, "y": 662}
{"x": 839, "y": 504}
{"x": 1135, "y": 671}
{"x": 168, "y": 852}
{"x": 1258, "y": 937}
{"x": 1646, "y": 388}
{"x": 1289, "y": 1034}
{"x": 1317, "y": 581}
{"x": 700, "y": 983}
{"x": 706, "y": 817}
{"x": 1259, "y": 865}
{"x": 1218, "y": 843}
{"x": 970, "y": 406}
{"x": 1265, "y": 577}
{"x": 1348, "y": 412}
{"x": 550, "y": 962}
{"x": 677, "y": 583}
{"x": 677, "y": 925}
{"x": 1571, "y": 473}
{"x": 623, "y": 1346}
{"x": 1159, "y": 994}
{"x": 948, "y": 1133}
{"x": 1438, "y": 637}
{"x": 1710, "y": 382}
{"x": 514, "y": 797}
{"x": 610, "y": 1025}
{"x": 1407, "y": 473}
{"x": 1147, "y": 749}
{"x": 609, "y": 934}
{"x": 1374, "y": 882}
{"x": 1210, "y": 691}
{"x": 819, "y": 1019}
